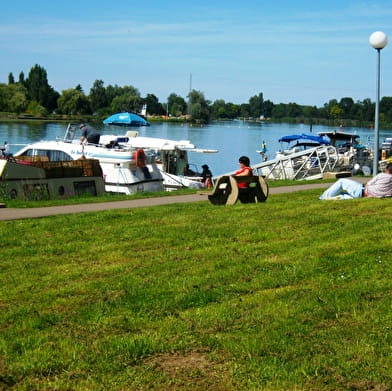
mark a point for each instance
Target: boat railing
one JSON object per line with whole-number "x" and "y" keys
{"x": 308, "y": 164}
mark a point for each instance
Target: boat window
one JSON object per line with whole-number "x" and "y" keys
{"x": 53, "y": 156}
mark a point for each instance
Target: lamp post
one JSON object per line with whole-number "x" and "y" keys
{"x": 378, "y": 40}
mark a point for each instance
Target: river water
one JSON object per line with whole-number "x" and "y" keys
{"x": 232, "y": 138}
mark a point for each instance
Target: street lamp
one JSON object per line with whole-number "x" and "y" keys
{"x": 378, "y": 40}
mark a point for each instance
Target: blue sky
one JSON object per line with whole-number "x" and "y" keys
{"x": 306, "y": 52}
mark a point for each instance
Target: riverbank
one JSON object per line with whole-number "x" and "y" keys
{"x": 24, "y": 213}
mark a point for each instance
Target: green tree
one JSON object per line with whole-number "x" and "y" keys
{"x": 256, "y": 105}
{"x": 13, "y": 98}
{"x": 386, "y": 108}
{"x": 125, "y": 98}
{"x": 365, "y": 110}
{"x": 21, "y": 78}
{"x": 153, "y": 105}
{"x": 73, "y": 102}
{"x": 336, "y": 112}
{"x": 112, "y": 92}
{"x": 36, "y": 109}
{"x": 310, "y": 111}
{"x": 126, "y": 102}
{"x": 244, "y": 110}
{"x": 348, "y": 107}
{"x": 18, "y": 98}
{"x": 279, "y": 111}
{"x": 97, "y": 96}
{"x": 328, "y": 106}
{"x": 200, "y": 109}
{"x": 4, "y": 97}
{"x": 268, "y": 107}
{"x": 176, "y": 105}
{"x": 218, "y": 109}
{"x": 39, "y": 89}
{"x": 293, "y": 110}
{"x": 232, "y": 110}
{"x": 11, "y": 79}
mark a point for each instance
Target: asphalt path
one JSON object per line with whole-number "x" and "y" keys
{"x": 28, "y": 213}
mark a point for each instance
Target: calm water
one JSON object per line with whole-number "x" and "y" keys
{"x": 232, "y": 139}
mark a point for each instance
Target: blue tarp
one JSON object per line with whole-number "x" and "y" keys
{"x": 309, "y": 137}
{"x": 126, "y": 119}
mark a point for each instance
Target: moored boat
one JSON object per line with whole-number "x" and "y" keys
{"x": 36, "y": 178}
{"x": 125, "y": 169}
{"x": 311, "y": 157}
{"x": 172, "y": 156}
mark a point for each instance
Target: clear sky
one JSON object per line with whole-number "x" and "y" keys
{"x": 302, "y": 51}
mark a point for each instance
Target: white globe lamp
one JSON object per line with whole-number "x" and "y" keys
{"x": 378, "y": 40}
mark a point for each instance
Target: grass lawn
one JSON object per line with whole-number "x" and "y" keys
{"x": 292, "y": 294}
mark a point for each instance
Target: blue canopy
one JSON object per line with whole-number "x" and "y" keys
{"x": 126, "y": 119}
{"x": 297, "y": 137}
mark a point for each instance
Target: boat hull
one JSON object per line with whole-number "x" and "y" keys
{"x": 45, "y": 180}
{"x": 122, "y": 173}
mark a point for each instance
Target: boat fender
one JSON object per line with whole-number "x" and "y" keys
{"x": 140, "y": 158}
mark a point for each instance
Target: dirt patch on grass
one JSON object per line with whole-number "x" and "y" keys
{"x": 193, "y": 371}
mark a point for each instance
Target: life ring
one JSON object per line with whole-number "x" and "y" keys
{"x": 139, "y": 157}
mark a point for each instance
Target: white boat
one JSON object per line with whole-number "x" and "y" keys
{"x": 125, "y": 169}
{"x": 171, "y": 157}
{"x": 311, "y": 157}
{"x": 37, "y": 179}
{"x": 352, "y": 153}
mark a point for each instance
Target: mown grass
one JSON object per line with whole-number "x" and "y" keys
{"x": 109, "y": 197}
{"x": 293, "y": 294}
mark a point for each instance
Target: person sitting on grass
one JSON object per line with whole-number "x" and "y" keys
{"x": 206, "y": 176}
{"x": 344, "y": 189}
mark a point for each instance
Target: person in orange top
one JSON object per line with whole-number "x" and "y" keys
{"x": 245, "y": 170}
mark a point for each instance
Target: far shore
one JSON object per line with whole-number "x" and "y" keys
{"x": 95, "y": 119}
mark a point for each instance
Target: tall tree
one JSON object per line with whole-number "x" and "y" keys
{"x": 268, "y": 107}
{"x": 21, "y": 78}
{"x": 98, "y": 98}
{"x": 39, "y": 89}
{"x": 11, "y": 79}
{"x": 199, "y": 107}
{"x": 256, "y": 105}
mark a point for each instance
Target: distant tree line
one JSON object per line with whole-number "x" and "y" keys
{"x": 34, "y": 96}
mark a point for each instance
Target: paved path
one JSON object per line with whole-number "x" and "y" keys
{"x": 24, "y": 213}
